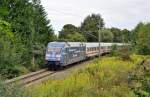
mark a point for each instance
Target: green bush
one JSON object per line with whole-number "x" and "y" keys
{"x": 140, "y": 79}
{"x": 114, "y": 50}
{"x": 125, "y": 53}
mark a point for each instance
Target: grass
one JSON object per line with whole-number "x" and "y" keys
{"x": 107, "y": 77}
{"x": 11, "y": 91}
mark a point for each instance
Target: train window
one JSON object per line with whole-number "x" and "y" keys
{"x": 89, "y": 49}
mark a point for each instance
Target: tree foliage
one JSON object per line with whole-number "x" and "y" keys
{"x": 71, "y": 33}
{"x": 106, "y": 35}
{"x": 117, "y": 34}
{"x": 126, "y": 36}
{"x": 9, "y": 57}
{"x": 91, "y": 24}
{"x": 141, "y": 37}
{"x": 89, "y": 29}
{"x": 31, "y": 30}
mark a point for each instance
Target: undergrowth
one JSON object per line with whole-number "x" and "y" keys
{"x": 108, "y": 77}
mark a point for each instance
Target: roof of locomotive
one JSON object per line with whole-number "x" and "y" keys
{"x": 66, "y": 44}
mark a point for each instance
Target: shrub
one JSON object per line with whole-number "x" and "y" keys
{"x": 125, "y": 53}
{"x": 114, "y": 50}
{"x": 140, "y": 79}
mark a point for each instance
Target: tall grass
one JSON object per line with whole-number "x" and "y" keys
{"x": 107, "y": 77}
{"x": 12, "y": 90}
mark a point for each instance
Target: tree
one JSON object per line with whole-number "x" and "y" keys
{"x": 71, "y": 33}
{"x": 4, "y": 10}
{"x": 141, "y": 38}
{"x": 31, "y": 30}
{"x": 134, "y": 34}
{"x": 117, "y": 34}
{"x": 77, "y": 37}
{"x": 91, "y": 24}
{"x": 106, "y": 35}
{"x": 68, "y": 29}
{"x": 126, "y": 36}
{"x": 8, "y": 53}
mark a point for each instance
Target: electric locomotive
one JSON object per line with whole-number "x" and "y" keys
{"x": 59, "y": 54}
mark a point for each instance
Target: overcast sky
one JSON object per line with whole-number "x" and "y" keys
{"x": 116, "y": 13}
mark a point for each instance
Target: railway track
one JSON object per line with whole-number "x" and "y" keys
{"x": 31, "y": 78}
{"x": 43, "y": 75}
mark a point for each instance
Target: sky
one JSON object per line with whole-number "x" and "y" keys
{"x": 124, "y": 14}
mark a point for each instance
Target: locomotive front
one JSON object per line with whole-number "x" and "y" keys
{"x": 53, "y": 54}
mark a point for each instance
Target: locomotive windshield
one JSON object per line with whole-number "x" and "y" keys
{"x": 57, "y": 50}
{"x": 55, "y": 45}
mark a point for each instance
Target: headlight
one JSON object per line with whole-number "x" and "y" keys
{"x": 49, "y": 50}
{"x": 58, "y": 58}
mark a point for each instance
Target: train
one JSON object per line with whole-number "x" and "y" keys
{"x": 61, "y": 54}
